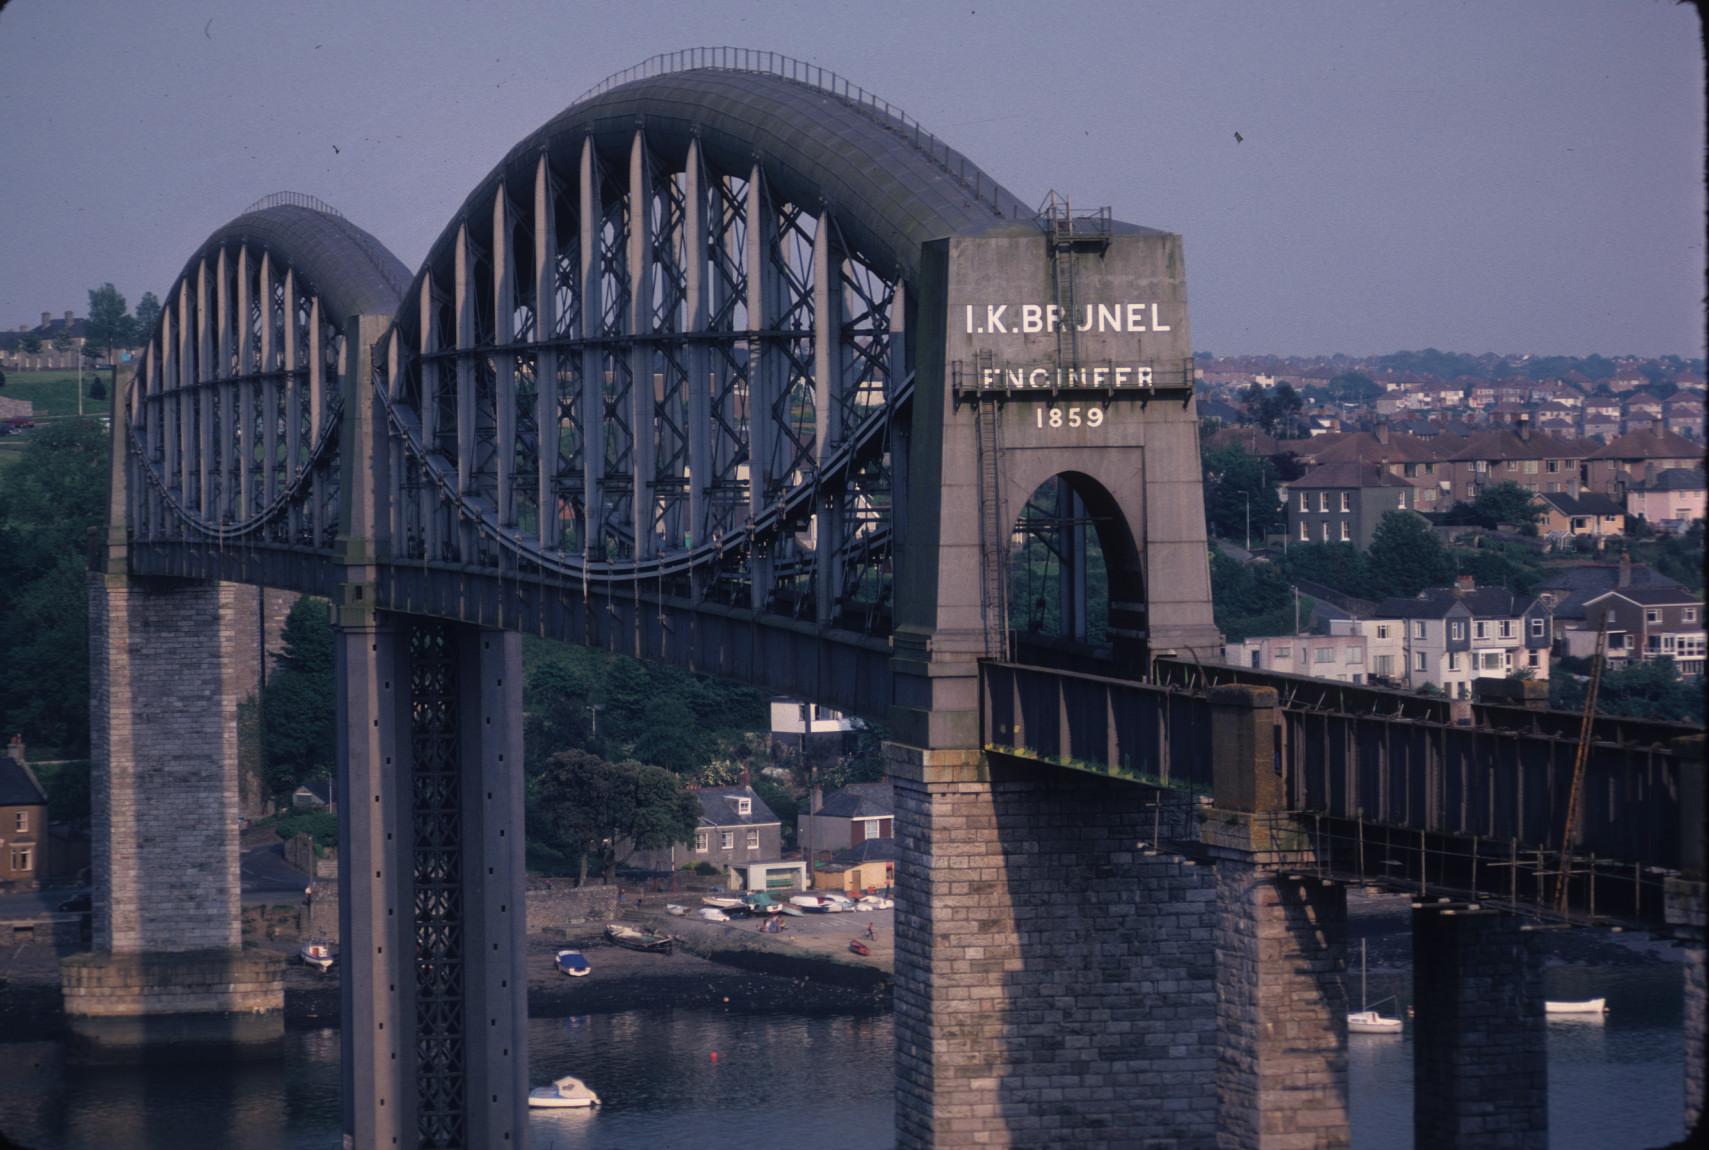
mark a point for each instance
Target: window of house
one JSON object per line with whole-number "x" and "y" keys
{"x": 702, "y": 842}
{"x": 1419, "y": 663}
{"x": 1305, "y": 501}
{"x": 22, "y": 822}
{"x": 727, "y": 840}
{"x": 1530, "y": 467}
{"x": 1507, "y": 628}
{"x": 1325, "y": 531}
{"x": 1667, "y": 643}
{"x": 744, "y": 806}
{"x": 1346, "y": 501}
{"x": 1688, "y": 614}
{"x": 753, "y": 840}
{"x": 1305, "y": 532}
{"x": 1382, "y": 630}
{"x": 1552, "y": 466}
{"x": 1382, "y": 664}
{"x": 1323, "y": 501}
{"x": 1453, "y": 660}
{"x": 1457, "y": 629}
{"x": 1531, "y": 659}
{"x": 1355, "y": 655}
{"x": 1492, "y": 660}
{"x": 1480, "y": 629}
{"x": 1537, "y": 628}
{"x": 1418, "y": 629}
{"x": 1652, "y": 615}
{"x": 1400, "y": 499}
{"x": 1323, "y": 654}
{"x": 22, "y": 859}
{"x": 1282, "y": 653}
{"x": 1480, "y": 465}
{"x": 1513, "y": 465}
{"x": 1346, "y": 533}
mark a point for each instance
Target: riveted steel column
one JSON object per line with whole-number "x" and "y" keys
{"x": 495, "y": 975}
{"x": 184, "y": 381}
{"x": 205, "y": 370}
{"x": 764, "y": 370}
{"x": 504, "y": 362}
{"x": 463, "y": 290}
{"x": 829, "y": 385}
{"x": 696, "y": 222}
{"x": 546, "y": 357}
{"x": 269, "y": 384}
{"x": 293, "y": 399}
{"x": 425, "y": 495}
{"x": 246, "y": 387}
{"x": 593, "y": 366}
{"x": 227, "y": 391}
{"x": 317, "y": 412}
{"x": 643, "y": 437}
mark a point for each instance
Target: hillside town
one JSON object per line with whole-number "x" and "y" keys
{"x": 1540, "y": 492}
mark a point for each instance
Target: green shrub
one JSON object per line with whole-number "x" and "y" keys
{"x": 322, "y": 826}
{"x": 705, "y": 868}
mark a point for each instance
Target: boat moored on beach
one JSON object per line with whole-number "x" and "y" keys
{"x": 635, "y": 938}
{"x": 1583, "y": 1008}
{"x": 573, "y": 963}
{"x": 318, "y": 954}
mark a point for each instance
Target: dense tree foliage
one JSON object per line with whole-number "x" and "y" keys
{"x": 1354, "y": 387}
{"x": 51, "y": 498}
{"x": 147, "y": 315}
{"x": 593, "y": 810}
{"x": 1405, "y": 557}
{"x": 1254, "y": 599}
{"x": 110, "y": 324}
{"x": 1275, "y": 409}
{"x": 1504, "y": 503}
{"x": 1646, "y": 690}
{"x": 1237, "y": 484}
{"x": 299, "y": 705}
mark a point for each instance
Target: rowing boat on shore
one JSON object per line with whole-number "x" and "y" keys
{"x": 634, "y": 938}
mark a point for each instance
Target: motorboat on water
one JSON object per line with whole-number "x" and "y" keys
{"x": 1365, "y": 1020}
{"x": 1588, "y": 1007}
{"x": 573, "y": 963}
{"x": 319, "y": 954}
{"x": 567, "y": 1092}
{"x": 634, "y": 938}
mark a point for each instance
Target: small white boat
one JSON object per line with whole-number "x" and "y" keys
{"x": 1595, "y": 1006}
{"x": 318, "y": 954}
{"x": 676, "y": 909}
{"x": 873, "y": 902}
{"x": 573, "y": 963}
{"x": 1370, "y": 1022}
{"x": 1365, "y": 1020}
{"x": 566, "y": 1093}
{"x": 811, "y": 903}
{"x": 792, "y": 911}
{"x": 713, "y": 914}
{"x": 722, "y": 902}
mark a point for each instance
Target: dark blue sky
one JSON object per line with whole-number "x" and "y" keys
{"x": 1512, "y": 177}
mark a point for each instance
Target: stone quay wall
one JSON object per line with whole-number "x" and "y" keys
{"x": 98, "y": 985}
{"x": 561, "y": 907}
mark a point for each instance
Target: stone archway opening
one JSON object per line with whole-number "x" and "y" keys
{"x": 1073, "y": 568}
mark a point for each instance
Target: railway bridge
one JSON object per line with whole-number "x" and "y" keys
{"x": 734, "y": 366}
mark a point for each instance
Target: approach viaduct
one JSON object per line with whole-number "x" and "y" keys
{"x": 734, "y": 366}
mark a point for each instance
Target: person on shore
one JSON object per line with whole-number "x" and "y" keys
{"x": 870, "y": 933}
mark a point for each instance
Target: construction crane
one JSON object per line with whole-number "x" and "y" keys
{"x": 1587, "y": 728}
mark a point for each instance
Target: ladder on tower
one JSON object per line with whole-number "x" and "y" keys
{"x": 1067, "y": 233}
{"x": 993, "y": 541}
{"x": 1575, "y": 794}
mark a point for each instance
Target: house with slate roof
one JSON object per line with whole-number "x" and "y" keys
{"x": 1567, "y": 589}
{"x": 1670, "y": 501}
{"x": 1648, "y": 623}
{"x": 1638, "y": 458}
{"x": 856, "y": 814}
{"x": 1566, "y": 517}
{"x": 869, "y": 868}
{"x": 1344, "y": 502}
{"x": 1452, "y": 636}
{"x": 23, "y": 826}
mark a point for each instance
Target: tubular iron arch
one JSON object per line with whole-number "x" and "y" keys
{"x": 232, "y": 414}
{"x": 664, "y": 341}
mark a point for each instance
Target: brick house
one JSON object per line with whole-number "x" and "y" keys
{"x": 735, "y": 827}
{"x": 858, "y": 813}
{"x": 1453, "y": 636}
{"x": 1646, "y": 623}
{"x": 1565, "y": 517}
{"x": 1344, "y": 502}
{"x": 1519, "y": 455}
{"x": 23, "y": 826}
{"x": 1637, "y": 458}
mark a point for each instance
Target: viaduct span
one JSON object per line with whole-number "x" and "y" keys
{"x": 734, "y": 366}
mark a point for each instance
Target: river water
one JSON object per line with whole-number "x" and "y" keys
{"x": 757, "y": 1082}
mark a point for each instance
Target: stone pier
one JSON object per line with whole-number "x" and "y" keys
{"x": 1480, "y": 1069}
{"x": 1055, "y": 983}
{"x": 170, "y": 661}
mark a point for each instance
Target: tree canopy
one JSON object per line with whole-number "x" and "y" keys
{"x": 1237, "y": 483}
{"x": 1506, "y": 503}
{"x": 1647, "y": 690}
{"x": 50, "y": 499}
{"x": 594, "y": 810}
{"x": 110, "y": 324}
{"x": 147, "y": 315}
{"x": 1405, "y": 556}
{"x": 299, "y": 705}
{"x": 1275, "y": 409}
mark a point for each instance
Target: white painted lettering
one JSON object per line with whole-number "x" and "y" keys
{"x": 1109, "y": 318}
{"x": 1136, "y": 317}
{"x": 986, "y": 376}
{"x": 1121, "y": 375}
{"x": 1039, "y": 377}
{"x": 1085, "y": 323}
{"x": 1144, "y": 379}
{"x": 1052, "y": 317}
{"x": 1100, "y": 376}
{"x": 969, "y": 319}
{"x": 1014, "y": 377}
{"x": 1032, "y": 317}
{"x": 1155, "y": 326}
{"x": 994, "y": 318}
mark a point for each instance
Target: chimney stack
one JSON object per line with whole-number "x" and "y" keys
{"x": 1383, "y": 433}
{"x": 16, "y": 749}
{"x": 1525, "y": 428}
{"x": 1625, "y": 579}
{"x": 70, "y": 318}
{"x": 1465, "y": 583}
{"x": 47, "y": 318}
